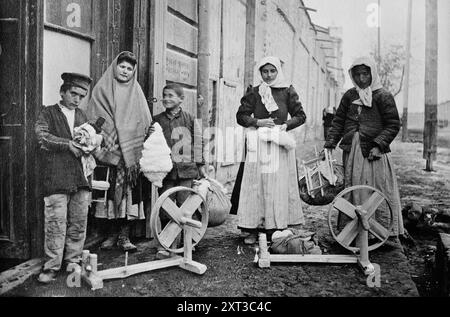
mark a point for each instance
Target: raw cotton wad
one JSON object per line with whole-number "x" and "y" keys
{"x": 156, "y": 162}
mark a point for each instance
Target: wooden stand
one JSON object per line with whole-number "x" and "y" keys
{"x": 264, "y": 258}
{"x": 95, "y": 278}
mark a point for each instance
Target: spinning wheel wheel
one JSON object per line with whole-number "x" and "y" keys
{"x": 361, "y": 218}
{"x": 192, "y": 211}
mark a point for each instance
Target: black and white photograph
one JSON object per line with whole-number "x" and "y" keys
{"x": 224, "y": 154}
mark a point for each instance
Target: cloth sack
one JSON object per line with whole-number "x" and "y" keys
{"x": 300, "y": 242}
{"x": 219, "y": 204}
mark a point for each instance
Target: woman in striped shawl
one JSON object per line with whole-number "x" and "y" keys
{"x": 119, "y": 99}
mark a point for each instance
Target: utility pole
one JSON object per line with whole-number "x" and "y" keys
{"x": 405, "y": 135}
{"x": 431, "y": 87}
{"x": 379, "y": 34}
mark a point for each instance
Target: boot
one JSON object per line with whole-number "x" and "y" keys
{"x": 251, "y": 239}
{"x": 110, "y": 242}
{"x": 125, "y": 244}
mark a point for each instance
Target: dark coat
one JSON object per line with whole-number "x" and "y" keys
{"x": 62, "y": 171}
{"x": 377, "y": 126}
{"x": 252, "y": 109}
{"x": 188, "y": 133}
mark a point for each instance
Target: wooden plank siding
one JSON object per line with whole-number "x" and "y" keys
{"x": 229, "y": 142}
{"x": 179, "y": 49}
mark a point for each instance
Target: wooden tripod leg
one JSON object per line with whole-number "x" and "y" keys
{"x": 187, "y": 263}
{"x": 264, "y": 255}
{"x": 363, "y": 243}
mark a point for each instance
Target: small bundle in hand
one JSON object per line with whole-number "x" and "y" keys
{"x": 87, "y": 138}
{"x": 156, "y": 162}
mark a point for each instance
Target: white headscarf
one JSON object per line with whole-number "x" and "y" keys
{"x": 365, "y": 95}
{"x": 265, "y": 90}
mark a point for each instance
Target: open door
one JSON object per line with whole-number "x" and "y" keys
{"x": 14, "y": 238}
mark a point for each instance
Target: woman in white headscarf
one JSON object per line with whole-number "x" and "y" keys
{"x": 269, "y": 198}
{"x": 366, "y": 123}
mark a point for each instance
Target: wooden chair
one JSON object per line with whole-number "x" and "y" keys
{"x": 101, "y": 184}
{"x": 313, "y": 176}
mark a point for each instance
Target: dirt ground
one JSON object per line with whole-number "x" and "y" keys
{"x": 406, "y": 271}
{"x": 427, "y": 190}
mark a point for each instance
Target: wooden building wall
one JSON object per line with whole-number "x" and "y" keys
{"x": 20, "y": 219}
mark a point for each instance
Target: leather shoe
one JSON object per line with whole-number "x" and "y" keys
{"x": 47, "y": 276}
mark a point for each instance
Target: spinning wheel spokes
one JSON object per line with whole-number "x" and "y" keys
{"x": 372, "y": 204}
{"x": 359, "y": 217}
{"x": 378, "y": 231}
{"x": 194, "y": 208}
{"x": 346, "y": 207}
{"x": 169, "y": 233}
{"x": 191, "y": 204}
{"x": 172, "y": 210}
{"x": 349, "y": 233}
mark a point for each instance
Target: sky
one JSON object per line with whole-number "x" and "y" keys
{"x": 360, "y": 37}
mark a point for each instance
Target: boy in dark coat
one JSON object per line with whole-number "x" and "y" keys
{"x": 65, "y": 187}
{"x": 184, "y": 136}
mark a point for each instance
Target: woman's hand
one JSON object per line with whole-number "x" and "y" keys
{"x": 266, "y": 123}
{"x": 202, "y": 171}
{"x": 322, "y": 153}
{"x": 283, "y": 127}
{"x": 374, "y": 154}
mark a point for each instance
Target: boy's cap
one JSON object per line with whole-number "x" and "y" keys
{"x": 77, "y": 80}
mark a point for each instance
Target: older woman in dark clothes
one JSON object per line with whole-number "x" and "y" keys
{"x": 366, "y": 123}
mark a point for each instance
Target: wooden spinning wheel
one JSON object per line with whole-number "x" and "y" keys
{"x": 361, "y": 219}
{"x": 193, "y": 210}
{"x": 361, "y": 234}
{"x": 190, "y": 220}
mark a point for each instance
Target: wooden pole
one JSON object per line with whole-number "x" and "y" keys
{"x": 405, "y": 135}
{"x": 379, "y": 34}
{"x": 203, "y": 61}
{"x": 250, "y": 35}
{"x": 431, "y": 88}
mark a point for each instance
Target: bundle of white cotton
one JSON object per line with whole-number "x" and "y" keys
{"x": 282, "y": 138}
{"x": 156, "y": 162}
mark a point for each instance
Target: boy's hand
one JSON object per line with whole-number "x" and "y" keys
{"x": 76, "y": 151}
{"x": 149, "y": 132}
{"x": 283, "y": 128}
{"x": 202, "y": 171}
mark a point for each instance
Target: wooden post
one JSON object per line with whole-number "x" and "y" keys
{"x": 203, "y": 61}
{"x": 250, "y": 35}
{"x": 379, "y": 34}
{"x": 405, "y": 135}
{"x": 264, "y": 255}
{"x": 431, "y": 88}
